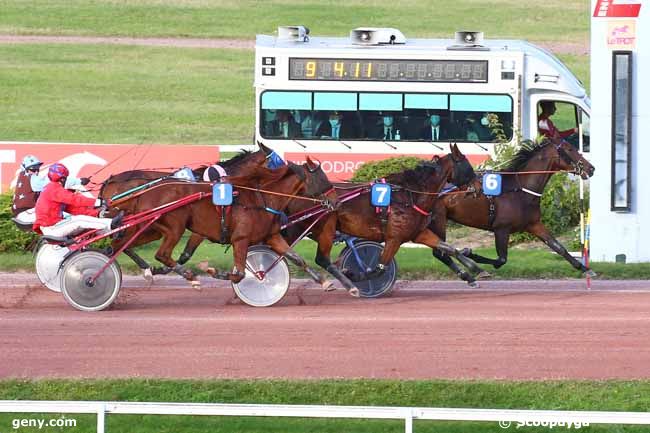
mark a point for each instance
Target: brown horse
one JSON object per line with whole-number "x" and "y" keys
{"x": 517, "y": 209}
{"x": 126, "y": 181}
{"x": 414, "y": 194}
{"x": 247, "y": 222}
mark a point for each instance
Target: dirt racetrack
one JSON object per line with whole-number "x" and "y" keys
{"x": 505, "y": 330}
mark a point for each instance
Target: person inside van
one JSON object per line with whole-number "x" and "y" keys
{"x": 546, "y": 126}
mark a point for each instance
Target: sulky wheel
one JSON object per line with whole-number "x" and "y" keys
{"x": 369, "y": 253}
{"x": 77, "y": 287}
{"x": 48, "y": 264}
{"x": 270, "y": 285}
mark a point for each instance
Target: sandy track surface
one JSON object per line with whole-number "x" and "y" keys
{"x": 555, "y": 47}
{"x": 506, "y": 330}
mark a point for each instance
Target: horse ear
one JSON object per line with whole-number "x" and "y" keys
{"x": 454, "y": 150}
{"x": 264, "y": 148}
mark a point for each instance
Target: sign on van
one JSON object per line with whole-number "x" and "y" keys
{"x": 621, "y": 35}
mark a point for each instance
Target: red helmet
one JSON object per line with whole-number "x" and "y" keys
{"x": 57, "y": 172}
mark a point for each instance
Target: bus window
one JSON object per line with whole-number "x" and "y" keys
{"x": 558, "y": 119}
{"x": 586, "y": 131}
{"x": 384, "y": 116}
{"x": 278, "y": 111}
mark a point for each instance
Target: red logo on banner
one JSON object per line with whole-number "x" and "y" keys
{"x": 610, "y": 9}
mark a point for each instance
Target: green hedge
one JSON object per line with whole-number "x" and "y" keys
{"x": 377, "y": 169}
{"x": 11, "y": 238}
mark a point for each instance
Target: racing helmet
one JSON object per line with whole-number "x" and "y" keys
{"x": 30, "y": 161}
{"x": 57, "y": 172}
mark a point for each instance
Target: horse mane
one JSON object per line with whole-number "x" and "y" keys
{"x": 260, "y": 176}
{"x": 415, "y": 178}
{"x": 523, "y": 155}
{"x": 235, "y": 159}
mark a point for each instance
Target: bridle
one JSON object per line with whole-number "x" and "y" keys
{"x": 578, "y": 166}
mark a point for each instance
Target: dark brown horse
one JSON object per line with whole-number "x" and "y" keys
{"x": 126, "y": 181}
{"x": 414, "y": 194}
{"x": 517, "y": 209}
{"x": 248, "y": 221}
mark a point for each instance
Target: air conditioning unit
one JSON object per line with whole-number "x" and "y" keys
{"x": 465, "y": 40}
{"x": 376, "y": 36}
{"x": 293, "y": 33}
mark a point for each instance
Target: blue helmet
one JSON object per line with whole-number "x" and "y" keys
{"x": 30, "y": 161}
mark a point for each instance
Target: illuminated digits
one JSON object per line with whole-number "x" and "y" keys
{"x": 311, "y": 70}
{"x": 369, "y": 69}
{"x": 338, "y": 68}
{"x": 356, "y": 70}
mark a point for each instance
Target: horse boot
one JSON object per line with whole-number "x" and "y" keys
{"x": 188, "y": 275}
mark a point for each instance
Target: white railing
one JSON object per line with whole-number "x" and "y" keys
{"x": 504, "y": 417}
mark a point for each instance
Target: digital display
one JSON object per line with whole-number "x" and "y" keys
{"x": 462, "y": 71}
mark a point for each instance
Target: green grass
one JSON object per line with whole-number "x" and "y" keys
{"x": 126, "y": 94}
{"x": 553, "y": 395}
{"x": 550, "y": 20}
{"x": 413, "y": 263}
{"x": 130, "y": 94}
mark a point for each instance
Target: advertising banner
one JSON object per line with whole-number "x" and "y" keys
{"x": 341, "y": 166}
{"x": 101, "y": 160}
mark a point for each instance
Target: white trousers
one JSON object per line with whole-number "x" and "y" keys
{"x": 76, "y": 224}
{"x": 26, "y": 217}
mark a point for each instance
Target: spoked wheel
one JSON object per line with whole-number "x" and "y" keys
{"x": 48, "y": 263}
{"x": 263, "y": 287}
{"x": 77, "y": 287}
{"x": 369, "y": 253}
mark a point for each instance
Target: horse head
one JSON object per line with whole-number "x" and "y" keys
{"x": 316, "y": 183}
{"x": 568, "y": 158}
{"x": 456, "y": 166}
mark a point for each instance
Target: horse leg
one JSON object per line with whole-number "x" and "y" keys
{"x": 391, "y": 246}
{"x": 428, "y": 238}
{"x": 501, "y": 237}
{"x": 142, "y": 264}
{"x": 170, "y": 238}
{"x": 438, "y": 226}
{"x": 192, "y": 244}
{"x": 540, "y": 230}
{"x": 462, "y": 274}
{"x": 323, "y": 253}
{"x": 280, "y": 246}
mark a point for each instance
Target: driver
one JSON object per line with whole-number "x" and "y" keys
{"x": 546, "y": 126}
{"x": 54, "y": 199}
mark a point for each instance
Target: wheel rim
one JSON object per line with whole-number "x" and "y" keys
{"x": 272, "y": 288}
{"x": 48, "y": 264}
{"x": 369, "y": 252}
{"x": 77, "y": 288}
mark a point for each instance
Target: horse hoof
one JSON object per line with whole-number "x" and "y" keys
{"x": 483, "y": 275}
{"x": 590, "y": 273}
{"x": 328, "y": 286}
{"x": 148, "y": 275}
{"x": 354, "y": 292}
{"x": 196, "y": 285}
{"x": 474, "y": 285}
{"x": 466, "y": 252}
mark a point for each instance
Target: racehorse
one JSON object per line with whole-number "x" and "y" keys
{"x": 123, "y": 182}
{"x": 517, "y": 209}
{"x": 252, "y": 218}
{"x": 414, "y": 194}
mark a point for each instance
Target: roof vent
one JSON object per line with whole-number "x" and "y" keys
{"x": 376, "y": 36}
{"x": 293, "y": 33}
{"x": 468, "y": 41}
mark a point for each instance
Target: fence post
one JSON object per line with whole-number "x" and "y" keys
{"x": 101, "y": 415}
{"x": 408, "y": 420}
